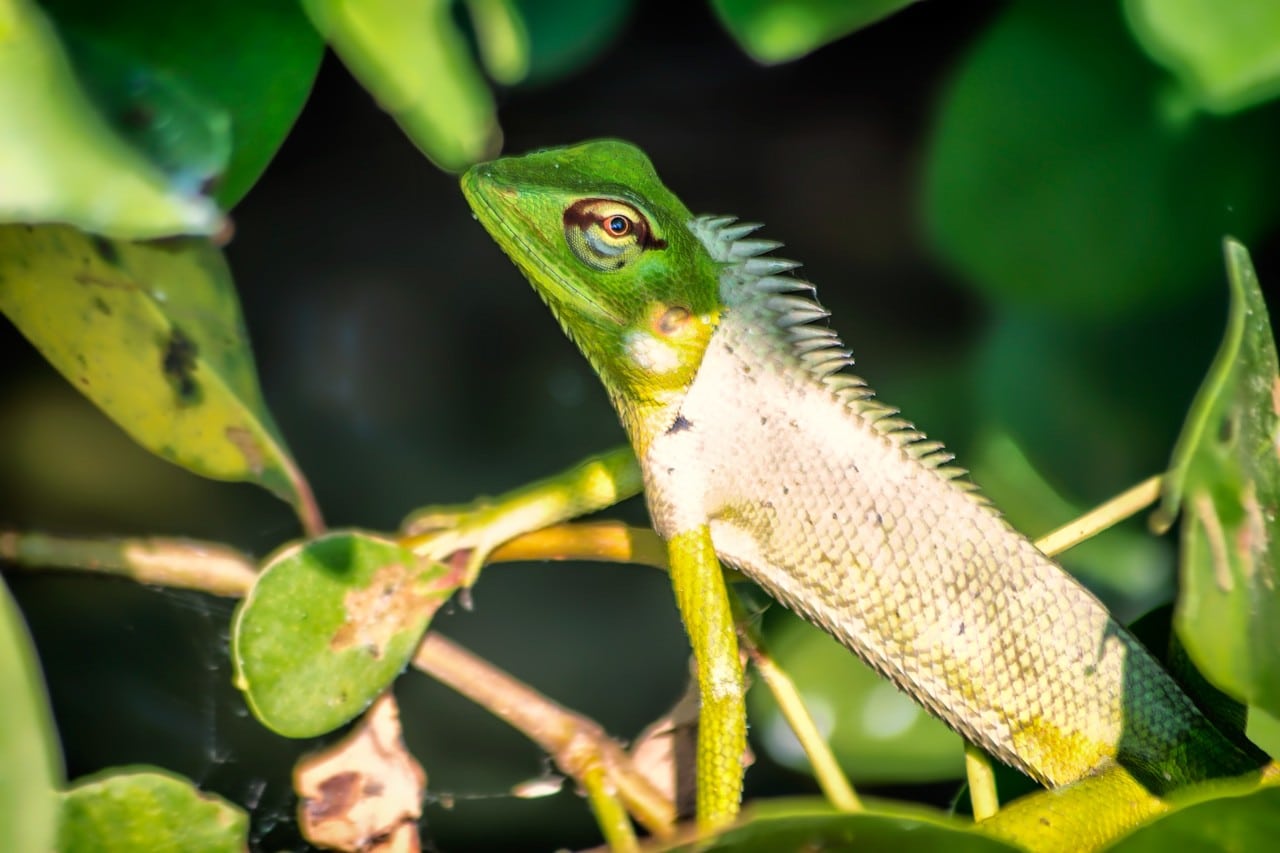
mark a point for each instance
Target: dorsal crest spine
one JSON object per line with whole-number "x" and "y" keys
{"x": 791, "y": 307}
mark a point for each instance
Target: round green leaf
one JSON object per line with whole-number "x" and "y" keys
{"x": 152, "y": 333}
{"x": 1225, "y": 54}
{"x": 204, "y": 89}
{"x": 30, "y": 766}
{"x": 61, "y": 162}
{"x": 1058, "y": 179}
{"x": 142, "y": 808}
{"x": 876, "y": 731}
{"x": 328, "y": 626}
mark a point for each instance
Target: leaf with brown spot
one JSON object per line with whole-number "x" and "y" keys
{"x": 328, "y": 625}
{"x": 394, "y": 601}
{"x": 144, "y": 808}
{"x": 152, "y": 334}
{"x": 363, "y": 793}
{"x": 1225, "y": 475}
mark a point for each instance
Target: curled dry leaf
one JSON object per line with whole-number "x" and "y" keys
{"x": 364, "y": 793}
{"x": 665, "y": 752}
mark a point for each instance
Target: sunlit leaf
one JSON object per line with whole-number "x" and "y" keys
{"x": 1248, "y": 822}
{"x": 876, "y": 731}
{"x": 196, "y": 83}
{"x": 412, "y": 57}
{"x": 502, "y": 39}
{"x": 143, "y": 808}
{"x": 781, "y": 30}
{"x": 812, "y": 825}
{"x": 1225, "y": 480}
{"x": 61, "y": 162}
{"x": 327, "y": 627}
{"x": 1225, "y": 54}
{"x": 1058, "y": 179}
{"x": 152, "y": 333}
{"x": 30, "y": 764}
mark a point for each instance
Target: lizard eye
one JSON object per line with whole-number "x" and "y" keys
{"x": 606, "y": 234}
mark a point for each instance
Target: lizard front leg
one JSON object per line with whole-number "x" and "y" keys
{"x": 595, "y": 483}
{"x": 704, "y": 607}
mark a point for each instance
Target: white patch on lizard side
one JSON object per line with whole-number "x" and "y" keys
{"x": 651, "y": 353}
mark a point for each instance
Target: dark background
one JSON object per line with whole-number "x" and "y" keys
{"x": 407, "y": 363}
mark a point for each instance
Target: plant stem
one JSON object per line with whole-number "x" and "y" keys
{"x": 184, "y": 563}
{"x": 1101, "y": 517}
{"x": 982, "y": 782}
{"x": 577, "y": 744}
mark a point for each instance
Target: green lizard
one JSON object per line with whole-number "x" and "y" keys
{"x": 755, "y": 449}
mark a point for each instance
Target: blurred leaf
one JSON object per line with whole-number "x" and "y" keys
{"x": 188, "y": 138}
{"x": 1056, "y": 180}
{"x": 502, "y": 39}
{"x": 412, "y": 57}
{"x": 185, "y": 79}
{"x": 1225, "y": 54}
{"x": 141, "y": 808}
{"x": 1248, "y": 822}
{"x": 1225, "y": 479}
{"x": 877, "y": 732}
{"x": 152, "y": 333}
{"x": 564, "y": 35}
{"x": 1264, "y": 730}
{"x": 803, "y": 825}
{"x": 30, "y": 764}
{"x": 1093, "y": 406}
{"x": 781, "y": 30}
{"x": 329, "y": 624}
{"x": 59, "y": 161}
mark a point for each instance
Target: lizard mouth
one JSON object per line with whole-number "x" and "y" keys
{"x": 491, "y": 201}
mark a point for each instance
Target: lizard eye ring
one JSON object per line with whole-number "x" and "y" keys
{"x": 607, "y": 234}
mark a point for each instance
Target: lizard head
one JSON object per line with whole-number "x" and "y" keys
{"x": 609, "y": 249}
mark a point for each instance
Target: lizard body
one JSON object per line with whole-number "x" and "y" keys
{"x": 758, "y": 449}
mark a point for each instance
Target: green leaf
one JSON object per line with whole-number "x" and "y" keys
{"x": 1225, "y": 479}
{"x": 502, "y": 39}
{"x": 878, "y": 733}
{"x": 565, "y": 35}
{"x": 802, "y": 825}
{"x": 412, "y": 57}
{"x": 1249, "y": 822}
{"x": 1226, "y": 55}
{"x": 194, "y": 83}
{"x": 142, "y": 808}
{"x": 60, "y": 161}
{"x": 781, "y": 30}
{"x": 327, "y": 627}
{"x": 30, "y": 764}
{"x": 1057, "y": 178}
{"x": 152, "y": 333}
